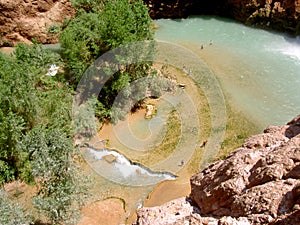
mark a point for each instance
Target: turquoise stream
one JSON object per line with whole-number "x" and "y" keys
{"x": 258, "y": 70}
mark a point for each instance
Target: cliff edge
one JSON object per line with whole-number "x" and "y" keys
{"x": 22, "y": 20}
{"x": 281, "y": 15}
{"x": 258, "y": 183}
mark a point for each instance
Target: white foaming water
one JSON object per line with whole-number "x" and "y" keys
{"x": 121, "y": 170}
{"x": 258, "y": 70}
{"x": 291, "y": 48}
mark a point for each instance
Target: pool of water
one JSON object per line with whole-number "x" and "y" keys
{"x": 258, "y": 70}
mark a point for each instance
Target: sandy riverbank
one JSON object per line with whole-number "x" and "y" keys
{"x": 99, "y": 210}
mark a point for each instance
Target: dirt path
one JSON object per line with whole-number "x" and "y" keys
{"x": 106, "y": 212}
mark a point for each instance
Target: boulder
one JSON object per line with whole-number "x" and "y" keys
{"x": 180, "y": 212}
{"x": 23, "y": 20}
{"x": 258, "y": 183}
{"x": 280, "y": 15}
{"x": 110, "y": 158}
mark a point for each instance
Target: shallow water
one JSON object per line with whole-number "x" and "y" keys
{"x": 258, "y": 70}
{"x": 121, "y": 170}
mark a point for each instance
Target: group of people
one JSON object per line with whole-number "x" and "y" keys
{"x": 201, "y": 146}
{"x": 210, "y": 43}
{"x": 189, "y": 72}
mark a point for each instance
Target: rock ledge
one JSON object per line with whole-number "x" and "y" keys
{"x": 258, "y": 183}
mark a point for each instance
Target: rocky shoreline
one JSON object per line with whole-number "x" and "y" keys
{"x": 258, "y": 183}
{"x": 21, "y": 20}
{"x": 280, "y": 15}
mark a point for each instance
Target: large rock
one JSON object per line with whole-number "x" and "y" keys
{"x": 181, "y": 212}
{"x": 258, "y": 183}
{"x": 23, "y": 20}
{"x": 259, "y": 180}
{"x": 283, "y": 15}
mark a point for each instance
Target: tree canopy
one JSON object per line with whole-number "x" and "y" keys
{"x": 36, "y": 142}
{"x": 93, "y": 32}
{"x": 36, "y": 132}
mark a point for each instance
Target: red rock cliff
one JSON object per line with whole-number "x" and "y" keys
{"x": 22, "y": 20}
{"x": 283, "y": 15}
{"x": 258, "y": 183}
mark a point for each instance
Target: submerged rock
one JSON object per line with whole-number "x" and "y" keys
{"x": 150, "y": 111}
{"x": 110, "y": 158}
{"x": 258, "y": 183}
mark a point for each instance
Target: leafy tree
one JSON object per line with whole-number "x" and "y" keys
{"x": 125, "y": 23}
{"x": 91, "y": 34}
{"x": 85, "y": 123}
{"x": 95, "y": 32}
{"x": 35, "y": 56}
{"x": 60, "y": 190}
{"x": 21, "y": 93}
{"x": 36, "y": 142}
{"x": 17, "y": 115}
{"x": 81, "y": 42}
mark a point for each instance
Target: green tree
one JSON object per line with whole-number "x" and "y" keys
{"x": 81, "y": 42}
{"x": 95, "y": 32}
{"x": 85, "y": 123}
{"x": 125, "y": 22}
{"x": 21, "y": 95}
{"x": 60, "y": 191}
{"x": 91, "y": 34}
{"x": 36, "y": 139}
{"x": 18, "y": 107}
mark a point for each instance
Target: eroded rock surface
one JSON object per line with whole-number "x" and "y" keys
{"x": 281, "y": 15}
{"x": 258, "y": 183}
{"x": 22, "y": 20}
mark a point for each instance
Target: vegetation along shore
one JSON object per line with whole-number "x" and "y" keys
{"x": 61, "y": 105}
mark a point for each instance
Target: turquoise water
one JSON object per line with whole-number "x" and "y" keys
{"x": 258, "y": 70}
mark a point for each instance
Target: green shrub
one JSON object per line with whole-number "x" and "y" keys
{"x": 11, "y": 213}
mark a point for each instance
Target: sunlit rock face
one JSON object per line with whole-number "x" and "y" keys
{"x": 258, "y": 183}
{"x": 23, "y": 20}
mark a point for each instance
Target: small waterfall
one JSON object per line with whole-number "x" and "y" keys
{"x": 117, "y": 168}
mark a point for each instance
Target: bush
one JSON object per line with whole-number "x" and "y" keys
{"x": 60, "y": 190}
{"x": 36, "y": 142}
{"x": 11, "y": 213}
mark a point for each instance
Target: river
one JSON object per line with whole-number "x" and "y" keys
{"x": 258, "y": 70}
